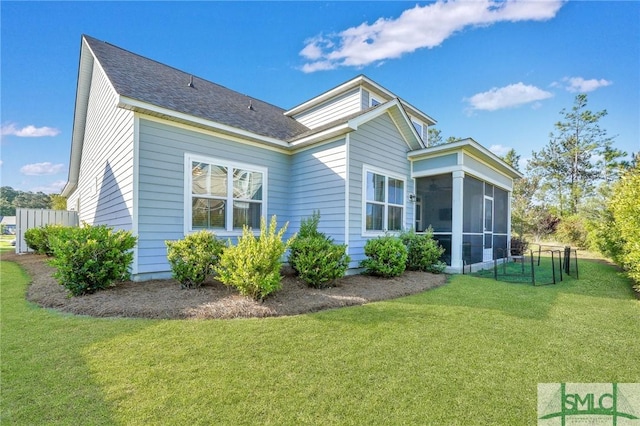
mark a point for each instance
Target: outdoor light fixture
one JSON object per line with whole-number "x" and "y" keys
{"x": 412, "y": 198}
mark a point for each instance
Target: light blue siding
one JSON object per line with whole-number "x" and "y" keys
{"x": 161, "y": 183}
{"x": 486, "y": 172}
{"x": 377, "y": 144}
{"x": 105, "y": 186}
{"x": 318, "y": 183}
{"x": 428, "y": 164}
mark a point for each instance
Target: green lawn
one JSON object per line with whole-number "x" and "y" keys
{"x": 520, "y": 271}
{"x": 5, "y": 242}
{"x": 470, "y": 352}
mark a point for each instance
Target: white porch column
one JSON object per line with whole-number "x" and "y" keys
{"x": 509, "y": 193}
{"x": 456, "y": 221}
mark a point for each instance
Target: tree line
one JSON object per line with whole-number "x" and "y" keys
{"x": 568, "y": 184}
{"x": 11, "y": 199}
{"x": 581, "y": 190}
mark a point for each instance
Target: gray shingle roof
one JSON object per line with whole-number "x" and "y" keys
{"x": 146, "y": 80}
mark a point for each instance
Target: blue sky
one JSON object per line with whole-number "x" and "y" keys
{"x": 498, "y": 72}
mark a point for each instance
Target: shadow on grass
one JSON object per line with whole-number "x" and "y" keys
{"x": 43, "y": 380}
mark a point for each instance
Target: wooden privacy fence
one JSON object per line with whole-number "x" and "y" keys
{"x": 35, "y": 218}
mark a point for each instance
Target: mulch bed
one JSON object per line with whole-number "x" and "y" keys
{"x": 167, "y": 300}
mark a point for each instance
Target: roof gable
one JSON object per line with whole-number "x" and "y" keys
{"x": 350, "y": 123}
{"x": 364, "y": 83}
{"x": 142, "y": 79}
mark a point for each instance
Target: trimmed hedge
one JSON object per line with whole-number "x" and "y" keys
{"x": 39, "y": 239}
{"x": 314, "y": 256}
{"x": 423, "y": 252}
{"x": 193, "y": 258}
{"x": 92, "y": 258}
{"x": 386, "y": 257}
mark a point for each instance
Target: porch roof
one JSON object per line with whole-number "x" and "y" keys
{"x": 472, "y": 147}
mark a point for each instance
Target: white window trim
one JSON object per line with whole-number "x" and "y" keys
{"x": 188, "y": 203}
{"x": 387, "y": 174}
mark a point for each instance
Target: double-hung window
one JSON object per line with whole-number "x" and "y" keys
{"x": 223, "y": 196}
{"x": 384, "y": 202}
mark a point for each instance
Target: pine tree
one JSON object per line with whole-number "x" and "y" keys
{"x": 566, "y": 165}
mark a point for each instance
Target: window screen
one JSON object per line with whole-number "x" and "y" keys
{"x": 472, "y": 207}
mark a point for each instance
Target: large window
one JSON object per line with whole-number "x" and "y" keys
{"x": 384, "y": 202}
{"x": 224, "y": 196}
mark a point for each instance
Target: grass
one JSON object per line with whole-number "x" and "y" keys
{"x": 470, "y": 352}
{"x": 5, "y": 242}
{"x": 520, "y": 272}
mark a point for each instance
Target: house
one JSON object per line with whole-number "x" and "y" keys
{"x": 8, "y": 224}
{"x": 163, "y": 153}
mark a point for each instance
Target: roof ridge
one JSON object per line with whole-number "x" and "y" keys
{"x": 96, "y": 40}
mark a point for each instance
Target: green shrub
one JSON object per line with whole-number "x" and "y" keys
{"x": 314, "y": 256}
{"x": 319, "y": 262}
{"x": 39, "y": 239}
{"x": 572, "y": 230}
{"x": 92, "y": 258}
{"x": 253, "y": 264}
{"x": 423, "y": 252}
{"x": 308, "y": 228}
{"x": 625, "y": 211}
{"x": 604, "y": 237}
{"x": 192, "y": 259}
{"x": 386, "y": 257}
{"x": 36, "y": 239}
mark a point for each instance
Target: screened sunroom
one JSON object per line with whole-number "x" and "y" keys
{"x": 463, "y": 192}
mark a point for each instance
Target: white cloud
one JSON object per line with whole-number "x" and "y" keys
{"x": 38, "y": 169}
{"x": 29, "y": 131}
{"x": 421, "y": 27}
{"x": 579, "y": 84}
{"x": 53, "y": 188}
{"x": 506, "y": 97}
{"x": 499, "y": 150}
